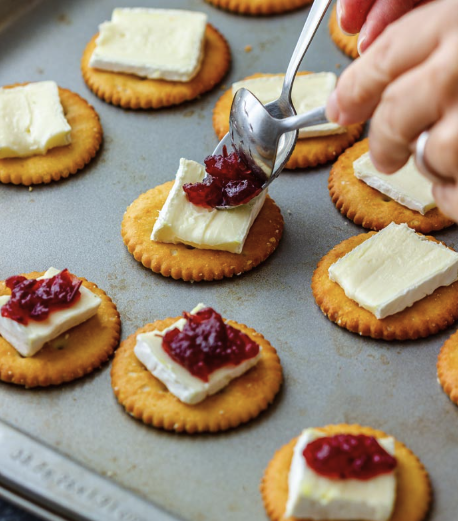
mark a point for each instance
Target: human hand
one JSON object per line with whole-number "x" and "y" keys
{"x": 407, "y": 81}
{"x": 370, "y": 17}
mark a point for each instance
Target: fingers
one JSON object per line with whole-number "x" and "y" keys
{"x": 414, "y": 103}
{"x": 361, "y": 86}
{"x": 351, "y": 14}
{"x": 446, "y": 197}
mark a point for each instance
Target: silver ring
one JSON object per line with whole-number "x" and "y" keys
{"x": 422, "y": 163}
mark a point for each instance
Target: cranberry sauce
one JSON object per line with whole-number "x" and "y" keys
{"x": 229, "y": 182}
{"x": 35, "y": 299}
{"x": 207, "y": 343}
{"x": 348, "y": 456}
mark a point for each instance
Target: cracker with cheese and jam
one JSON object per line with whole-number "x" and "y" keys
{"x": 145, "y": 58}
{"x": 193, "y": 241}
{"x": 54, "y": 328}
{"x": 343, "y": 473}
{"x": 374, "y": 200}
{"x": 394, "y": 284}
{"x": 316, "y": 145}
{"x": 199, "y": 373}
{"x": 46, "y": 133}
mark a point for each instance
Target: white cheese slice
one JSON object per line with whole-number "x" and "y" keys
{"x": 178, "y": 380}
{"x": 312, "y": 496}
{"x": 180, "y": 221}
{"x": 406, "y": 186}
{"x": 32, "y": 120}
{"x": 29, "y": 339}
{"x": 310, "y": 91}
{"x": 152, "y": 43}
{"x": 393, "y": 269}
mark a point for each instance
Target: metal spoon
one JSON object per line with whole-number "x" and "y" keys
{"x": 256, "y": 130}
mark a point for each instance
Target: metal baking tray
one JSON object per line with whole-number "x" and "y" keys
{"x": 330, "y": 374}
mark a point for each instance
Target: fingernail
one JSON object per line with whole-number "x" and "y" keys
{"x": 340, "y": 13}
{"x": 361, "y": 38}
{"x": 332, "y": 108}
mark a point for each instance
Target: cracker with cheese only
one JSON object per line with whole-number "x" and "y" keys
{"x": 133, "y": 92}
{"x": 348, "y": 43}
{"x": 308, "y": 152}
{"x": 59, "y": 162}
{"x": 425, "y": 317}
{"x": 447, "y": 367}
{"x": 77, "y": 352}
{"x": 191, "y": 264}
{"x": 259, "y": 7}
{"x": 148, "y": 399}
{"x": 370, "y": 208}
{"x": 413, "y": 494}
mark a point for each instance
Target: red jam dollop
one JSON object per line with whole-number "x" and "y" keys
{"x": 229, "y": 182}
{"x": 207, "y": 343}
{"x": 33, "y": 299}
{"x": 348, "y": 456}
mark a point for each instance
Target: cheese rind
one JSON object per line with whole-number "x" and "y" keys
{"x": 310, "y": 91}
{"x": 180, "y": 221}
{"x": 178, "y": 380}
{"x": 394, "y": 269}
{"x": 163, "y": 44}
{"x": 312, "y": 496}
{"x": 32, "y": 120}
{"x": 406, "y": 186}
{"x": 29, "y": 339}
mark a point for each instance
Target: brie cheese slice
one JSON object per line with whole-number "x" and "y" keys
{"x": 29, "y": 339}
{"x": 310, "y": 91}
{"x": 178, "y": 380}
{"x": 313, "y": 496}
{"x": 180, "y": 221}
{"x": 393, "y": 269}
{"x": 32, "y": 120}
{"x": 406, "y": 186}
{"x": 163, "y": 44}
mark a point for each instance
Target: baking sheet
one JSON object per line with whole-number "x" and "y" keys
{"x": 330, "y": 375}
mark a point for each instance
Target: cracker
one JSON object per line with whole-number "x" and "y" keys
{"x": 426, "y": 317}
{"x": 147, "y": 399}
{"x": 309, "y": 151}
{"x": 413, "y": 493}
{"x": 447, "y": 367}
{"x": 191, "y": 264}
{"x": 133, "y": 92}
{"x": 59, "y": 162}
{"x": 345, "y": 42}
{"x": 370, "y": 208}
{"x": 259, "y": 7}
{"x": 75, "y": 353}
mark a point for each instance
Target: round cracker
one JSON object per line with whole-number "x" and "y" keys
{"x": 348, "y": 43}
{"x": 447, "y": 367}
{"x": 259, "y": 7}
{"x": 59, "y": 162}
{"x": 425, "y": 317}
{"x": 133, "y": 92}
{"x": 309, "y": 151}
{"x": 191, "y": 264}
{"x": 370, "y": 208}
{"x": 74, "y": 354}
{"x": 148, "y": 399}
{"x": 413, "y": 488}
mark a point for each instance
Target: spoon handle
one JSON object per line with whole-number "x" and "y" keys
{"x": 313, "y": 117}
{"x": 314, "y": 18}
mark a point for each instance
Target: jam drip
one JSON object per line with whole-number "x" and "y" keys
{"x": 35, "y": 299}
{"x": 207, "y": 343}
{"x": 348, "y": 456}
{"x": 229, "y": 182}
